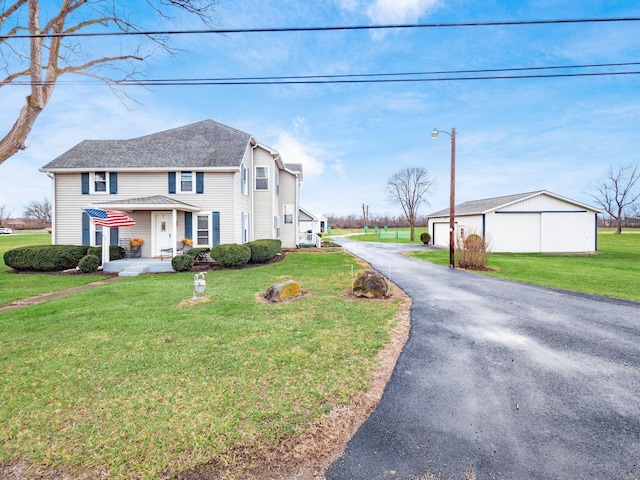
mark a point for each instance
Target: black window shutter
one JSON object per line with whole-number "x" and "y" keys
{"x": 215, "y": 227}
{"x": 188, "y": 225}
{"x": 199, "y": 182}
{"x": 113, "y": 183}
{"x": 85, "y": 183}
{"x": 86, "y": 234}
{"x": 172, "y": 182}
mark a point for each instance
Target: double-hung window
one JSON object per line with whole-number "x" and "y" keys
{"x": 262, "y": 178}
{"x": 100, "y": 182}
{"x": 287, "y": 214}
{"x": 186, "y": 182}
{"x": 245, "y": 180}
{"x": 202, "y": 230}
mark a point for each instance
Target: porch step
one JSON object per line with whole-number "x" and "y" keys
{"x": 133, "y": 271}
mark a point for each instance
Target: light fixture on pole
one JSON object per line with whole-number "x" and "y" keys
{"x": 452, "y": 194}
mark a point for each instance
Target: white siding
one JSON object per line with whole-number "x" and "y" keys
{"x": 264, "y": 208}
{"x": 288, "y": 194}
{"x": 513, "y": 232}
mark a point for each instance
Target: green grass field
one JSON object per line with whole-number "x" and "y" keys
{"x": 127, "y": 380}
{"x": 392, "y": 235}
{"x": 613, "y": 271}
{"x": 20, "y": 286}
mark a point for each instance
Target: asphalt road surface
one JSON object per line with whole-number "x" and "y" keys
{"x": 507, "y": 380}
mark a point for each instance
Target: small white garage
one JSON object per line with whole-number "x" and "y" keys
{"x": 524, "y": 223}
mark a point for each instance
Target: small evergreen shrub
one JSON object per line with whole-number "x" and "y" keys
{"x": 231, "y": 255}
{"x": 45, "y": 258}
{"x": 182, "y": 263}
{"x": 89, "y": 264}
{"x": 115, "y": 252}
{"x": 425, "y": 237}
{"x": 194, "y": 252}
{"x": 264, "y": 250}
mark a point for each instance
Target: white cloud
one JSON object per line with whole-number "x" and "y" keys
{"x": 295, "y": 151}
{"x": 399, "y": 11}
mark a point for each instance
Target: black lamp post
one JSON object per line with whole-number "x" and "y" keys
{"x": 452, "y": 195}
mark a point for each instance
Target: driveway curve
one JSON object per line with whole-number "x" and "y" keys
{"x": 507, "y": 380}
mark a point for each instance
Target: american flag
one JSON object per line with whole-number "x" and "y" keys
{"x": 109, "y": 218}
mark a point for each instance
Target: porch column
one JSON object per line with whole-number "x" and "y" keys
{"x": 174, "y": 221}
{"x": 106, "y": 239}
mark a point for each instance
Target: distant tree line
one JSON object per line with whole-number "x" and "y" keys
{"x": 357, "y": 221}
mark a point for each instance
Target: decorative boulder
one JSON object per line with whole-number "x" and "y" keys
{"x": 283, "y": 291}
{"x": 370, "y": 284}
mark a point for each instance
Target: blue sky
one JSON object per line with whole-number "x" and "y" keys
{"x": 514, "y": 136}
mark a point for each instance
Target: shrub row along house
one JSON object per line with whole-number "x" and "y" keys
{"x": 206, "y": 182}
{"x": 531, "y": 222}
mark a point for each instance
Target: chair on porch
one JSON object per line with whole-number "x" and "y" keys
{"x": 181, "y": 249}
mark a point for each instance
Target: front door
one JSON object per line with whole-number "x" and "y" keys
{"x": 162, "y": 232}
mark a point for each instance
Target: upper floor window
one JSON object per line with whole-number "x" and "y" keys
{"x": 186, "y": 182}
{"x": 277, "y": 182}
{"x": 287, "y": 213}
{"x": 245, "y": 180}
{"x": 262, "y": 178}
{"x": 100, "y": 182}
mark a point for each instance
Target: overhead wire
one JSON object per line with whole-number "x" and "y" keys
{"x": 394, "y": 77}
{"x": 323, "y": 28}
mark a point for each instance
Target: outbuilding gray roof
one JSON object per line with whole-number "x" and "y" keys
{"x": 199, "y": 145}
{"x": 476, "y": 207}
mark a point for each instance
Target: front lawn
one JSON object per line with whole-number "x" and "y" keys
{"x": 613, "y": 271}
{"x": 127, "y": 380}
{"x": 15, "y": 286}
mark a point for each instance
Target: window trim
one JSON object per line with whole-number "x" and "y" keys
{"x": 93, "y": 180}
{"x": 179, "y": 181}
{"x": 265, "y": 177}
{"x": 287, "y": 211}
{"x": 196, "y": 230}
{"x": 244, "y": 180}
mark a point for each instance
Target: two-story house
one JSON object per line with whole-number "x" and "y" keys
{"x": 206, "y": 182}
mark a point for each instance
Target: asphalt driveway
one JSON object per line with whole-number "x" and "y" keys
{"x": 509, "y": 380}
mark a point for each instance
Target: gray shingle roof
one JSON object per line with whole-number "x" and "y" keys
{"x": 476, "y": 207}
{"x": 199, "y": 145}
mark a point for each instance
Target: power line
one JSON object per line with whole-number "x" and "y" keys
{"x": 326, "y": 28}
{"x": 368, "y": 77}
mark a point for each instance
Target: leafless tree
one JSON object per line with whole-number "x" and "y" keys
{"x": 37, "y": 48}
{"x": 618, "y": 193}
{"x": 408, "y": 188}
{"x": 365, "y": 214}
{"x": 39, "y": 211}
{"x": 5, "y": 214}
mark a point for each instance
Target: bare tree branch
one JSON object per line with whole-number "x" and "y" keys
{"x": 49, "y": 57}
{"x": 408, "y": 188}
{"x": 617, "y": 194}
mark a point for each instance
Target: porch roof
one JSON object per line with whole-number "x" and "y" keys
{"x": 156, "y": 202}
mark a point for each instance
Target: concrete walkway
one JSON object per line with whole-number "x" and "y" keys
{"x": 505, "y": 380}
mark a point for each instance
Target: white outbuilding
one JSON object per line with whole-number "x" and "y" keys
{"x": 531, "y": 222}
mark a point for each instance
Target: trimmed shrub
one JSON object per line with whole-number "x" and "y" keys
{"x": 264, "y": 250}
{"x": 182, "y": 263}
{"x": 45, "y": 258}
{"x": 425, "y": 237}
{"x": 89, "y": 264}
{"x": 115, "y": 252}
{"x": 194, "y": 252}
{"x": 231, "y": 255}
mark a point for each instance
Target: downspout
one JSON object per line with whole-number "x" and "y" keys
{"x": 53, "y": 207}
